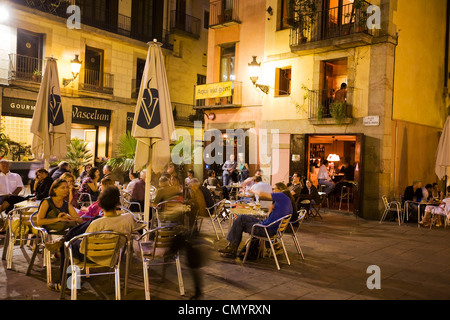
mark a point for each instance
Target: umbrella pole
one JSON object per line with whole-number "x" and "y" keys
{"x": 148, "y": 184}
{"x": 46, "y": 164}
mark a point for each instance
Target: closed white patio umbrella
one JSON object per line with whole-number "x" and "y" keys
{"x": 153, "y": 124}
{"x": 48, "y": 126}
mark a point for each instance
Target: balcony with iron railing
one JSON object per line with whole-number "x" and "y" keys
{"x": 106, "y": 20}
{"x": 185, "y": 114}
{"x": 343, "y": 26}
{"x": 223, "y": 13}
{"x": 232, "y": 101}
{"x": 25, "y": 68}
{"x": 324, "y": 107}
{"x": 97, "y": 81}
{"x": 184, "y": 23}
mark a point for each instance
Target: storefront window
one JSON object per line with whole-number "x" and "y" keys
{"x": 17, "y": 129}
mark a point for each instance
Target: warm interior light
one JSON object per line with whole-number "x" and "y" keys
{"x": 333, "y": 157}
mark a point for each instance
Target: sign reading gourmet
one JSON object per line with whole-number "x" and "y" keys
{"x": 92, "y": 116}
{"x": 18, "y": 107}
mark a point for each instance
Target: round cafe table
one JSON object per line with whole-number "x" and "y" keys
{"x": 260, "y": 214}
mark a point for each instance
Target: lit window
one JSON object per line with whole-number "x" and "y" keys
{"x": 283, "y": 81}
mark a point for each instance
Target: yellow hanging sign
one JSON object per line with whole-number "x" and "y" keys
{"x": 213, "y": 90}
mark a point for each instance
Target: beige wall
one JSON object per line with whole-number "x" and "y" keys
{"x": 419, "y": 66}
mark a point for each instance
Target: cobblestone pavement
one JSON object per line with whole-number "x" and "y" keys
{"x": 414, "y": 264}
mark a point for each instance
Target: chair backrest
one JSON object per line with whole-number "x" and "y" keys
{"x": 385, "y": 201}
{"x": 84, "y": 199}
{"x": 103, "y": 247}
{"x": 284, "y": 222}
{"x": 160, "y": 243}
{"x": 171, "y": 211}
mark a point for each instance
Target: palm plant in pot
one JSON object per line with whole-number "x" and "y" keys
{"x": 126, "y": 150}
{"x": 78, "y": 155}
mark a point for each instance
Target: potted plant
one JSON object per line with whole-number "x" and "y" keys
{"x": 302, "y": 15}
{"x": 78, "y": 155}
{"x": 36, "y": 75}
{"x": 125, "y": 154}
{"x": 338, "y": 111}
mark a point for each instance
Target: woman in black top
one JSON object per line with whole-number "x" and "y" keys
{"x": 42, "y": 184}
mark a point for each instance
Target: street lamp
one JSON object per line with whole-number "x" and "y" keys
{"x": 75, "y": 66}
{"x": 254, "y": 70}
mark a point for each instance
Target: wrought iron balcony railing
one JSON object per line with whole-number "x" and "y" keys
{"x": 97, "y": 81}
{"x": 25, "y": 68}
{"x": 185, "y": 114}
{"x": 336, "y": 22}
{"x": 107, "y": 20}
{"x": 223, "y": 13}
{"x": 323, "y": 104}
{"x": 185, "y": 23}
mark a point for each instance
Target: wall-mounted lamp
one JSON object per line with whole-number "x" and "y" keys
{"x": 75, "y": 66}
{"x": 210, "y": 116}
{"x": 254, "y": 70}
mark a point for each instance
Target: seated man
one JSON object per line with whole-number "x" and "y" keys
{"x": 261, "y": 187}
{"x": 228, "y": 170}
{"x": 296, "y": 186}
{"x": 10, "y": 186}
{"x": 324, "y": 178}
{"x": 413, "y": 193}
{"x": 281, "y": 207}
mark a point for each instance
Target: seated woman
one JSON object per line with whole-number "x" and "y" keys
{"x": 73, "y": 189}
{"x": 112, "y": 220}
{"x": 281, "y": 207}
{"x": 94, "y": 209}
{"x": 138, "y": 195}
{"x": 55, "y": 213}
{"x": 90, "y": 185}
{"x": 85, "y": 172}
{"x": 42, "y": 184}
{"x": 442, "y": 209}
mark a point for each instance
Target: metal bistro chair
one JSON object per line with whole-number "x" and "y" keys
{"x": 43, "y": 237}
{"x": 295, "y": 225}
{"x": 393, "y": 206}
{"x": 84, "y": 199}
{"x": 101, "y": 249}
{"x": 277, "y": 237}
{"x": 215, "y": 214}
{"x": 168, "y": 212}
{"x": 156, "y": 251}
{"x": 128, "y": 204}
{"x": 18, "y": 226}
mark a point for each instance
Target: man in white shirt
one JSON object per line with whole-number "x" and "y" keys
{"x": 263, "y": 187}
{"x": 324, "y": 178}
{"x": 10, "y": 186}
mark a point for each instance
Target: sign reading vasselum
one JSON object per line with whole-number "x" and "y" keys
{"x": 93, "y": 116}
{"x": 213, "y": 90}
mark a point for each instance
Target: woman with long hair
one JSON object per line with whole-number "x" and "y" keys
{"x": 55, "y": 213}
